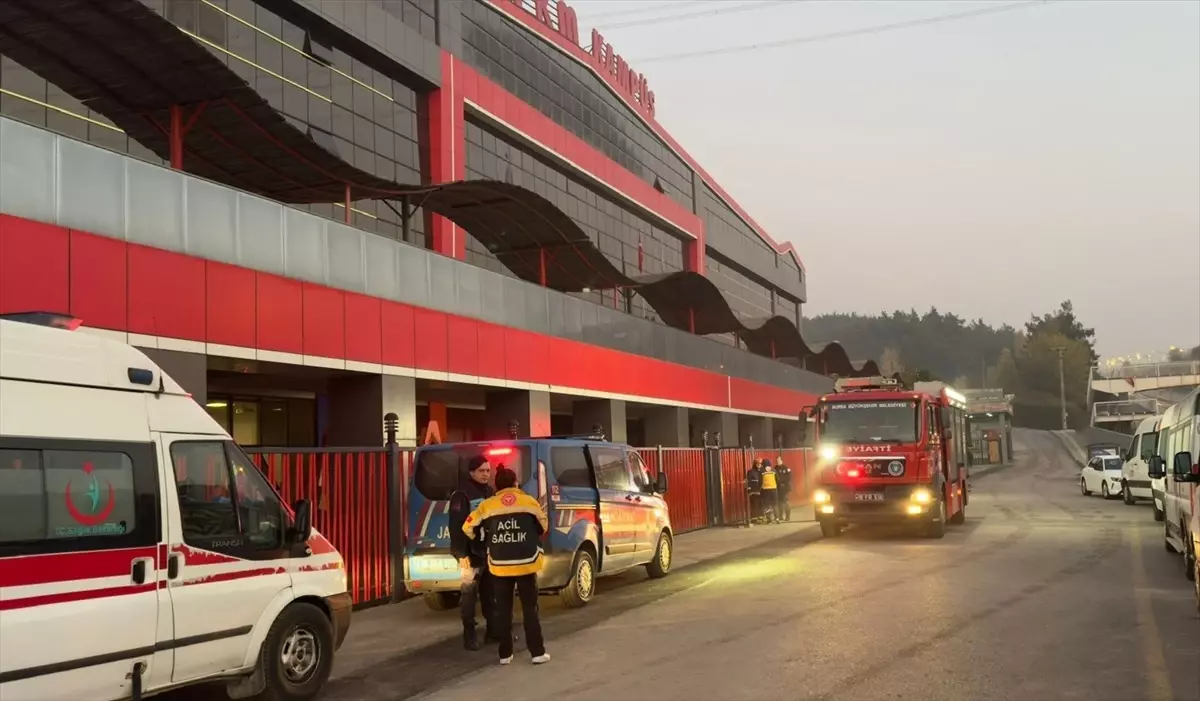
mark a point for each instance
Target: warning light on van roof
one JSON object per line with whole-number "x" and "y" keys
{"x": 496, "y": 452}
{"x": 51, "y": 319}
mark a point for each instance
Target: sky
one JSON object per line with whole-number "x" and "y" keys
{"x": 991, "y": 166}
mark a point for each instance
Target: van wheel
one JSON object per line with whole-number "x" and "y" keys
{"x": 297, "y": 655}
{"x": 660, "y": 566}
{"x": 1158, "y": 513}
{"x": 1189, "y": 555}
{"x": 581, "y": 587}
{"x": 1127, "y": 494}
{"x": 442, "y": 600}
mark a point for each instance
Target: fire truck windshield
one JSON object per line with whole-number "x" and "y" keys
{"x": 869, "y": 422}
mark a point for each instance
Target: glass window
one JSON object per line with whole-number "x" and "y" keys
{"x": 205, "y": 496}
{"x": 259, "y": 509}
{"x": 868, "y": 422}
{"x": 570, "y": 466}
{"x": 55, "y": 494}
{"x": 611, "y": 471}
{"x": 641, "y": 474}
{"x": 245, "y": 423}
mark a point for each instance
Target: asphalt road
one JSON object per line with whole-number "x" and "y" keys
{"x": 1042, "y": 594}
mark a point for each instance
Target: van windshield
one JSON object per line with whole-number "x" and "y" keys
{"x": 439, "y": 471}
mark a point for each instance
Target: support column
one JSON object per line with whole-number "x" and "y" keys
{"x": 789, "y": 431}
{"x": 529, "y": 409}
{"x": 609, "y": 414}
{"x": 758, "y": 428}
{"x": 666, "y": 426}
{"x": 358, "y": 404}
{"x": 190, "y": 370}
{"x": 714, "y": 422}
{"x": 446, "y": 127}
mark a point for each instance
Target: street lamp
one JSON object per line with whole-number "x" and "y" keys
{"x": 1062, "y": 384}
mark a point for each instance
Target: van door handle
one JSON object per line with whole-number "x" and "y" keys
{"x": 139, "y": 572}
{"x": 173, "y": 562}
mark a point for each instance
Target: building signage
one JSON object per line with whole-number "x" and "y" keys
{"x": 565, "y": 23}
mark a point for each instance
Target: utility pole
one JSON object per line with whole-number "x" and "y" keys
{"x": 1062, "y": 384}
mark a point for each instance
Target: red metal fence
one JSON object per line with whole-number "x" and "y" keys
{"x": 354, "y": 507}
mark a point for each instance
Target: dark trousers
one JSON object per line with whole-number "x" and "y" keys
{"x": 770, "y": 499}
{"x": 755, "y": 505}
{"x": 784, "y": 506}
{"x": 483, "y": 591}
{"x": 526, "y": 588}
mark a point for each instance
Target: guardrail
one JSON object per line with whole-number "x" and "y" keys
{"x": 1127, "y": 409}
{"x": 360, "y": 498}
{"x": 1148, "y": 370}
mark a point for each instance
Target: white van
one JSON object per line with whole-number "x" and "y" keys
{"x": 1135, "y": 476}
{"x": 1178, "y": 462}
{"x": 140, "y": 550}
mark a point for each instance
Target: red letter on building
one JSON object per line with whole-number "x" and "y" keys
{"x": 541, "y": 10}
{"x": 568, "y": 23}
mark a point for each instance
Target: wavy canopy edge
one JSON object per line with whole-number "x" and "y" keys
{"x": 127, "y": 62}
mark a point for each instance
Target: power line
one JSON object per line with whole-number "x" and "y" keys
{"x": 829, "y": 36}
{"x": 645, "y": 10}
{"x": 695, "y": 15}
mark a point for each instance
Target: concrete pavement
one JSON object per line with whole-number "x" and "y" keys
{"x": 1042, "y": 594}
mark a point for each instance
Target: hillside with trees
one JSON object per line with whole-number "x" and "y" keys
{"x": 973, "y": 354}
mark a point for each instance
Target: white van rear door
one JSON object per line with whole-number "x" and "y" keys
{"x": 226, "y": 555}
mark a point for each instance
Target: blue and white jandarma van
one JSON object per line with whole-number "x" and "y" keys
{"x": 606, "y": 513}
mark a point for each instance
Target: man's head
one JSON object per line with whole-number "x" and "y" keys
{"x": 757, "y": 463}
{"x": 766, "y": 464}
{"x": 505, "y": 478}
{"x": 480, "y": 469}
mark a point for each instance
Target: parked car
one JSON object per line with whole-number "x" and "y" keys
{"x": 606, "y": 514}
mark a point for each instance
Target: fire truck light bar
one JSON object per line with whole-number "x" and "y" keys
{"x": 844, "y": 383}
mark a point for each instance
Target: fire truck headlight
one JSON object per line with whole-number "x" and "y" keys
{"x": 922, "y": 495}
{"x": 821, "y": 497}
{"x": 828, "y": 452}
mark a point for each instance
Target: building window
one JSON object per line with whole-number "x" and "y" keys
{"x": 266, "y": 421}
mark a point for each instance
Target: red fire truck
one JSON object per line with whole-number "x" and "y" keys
{"x": 888, "y": 454}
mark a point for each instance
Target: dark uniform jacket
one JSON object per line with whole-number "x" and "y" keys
{"x": 467, "y": 498}
{"x": 513, "y": 523}
{"x": 783, "y": 477}
{"x": 754, "y": 480}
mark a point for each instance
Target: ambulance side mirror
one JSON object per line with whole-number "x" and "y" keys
{"x": 303, "y": 528}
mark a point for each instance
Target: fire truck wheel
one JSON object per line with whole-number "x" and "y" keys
{"x": 830, "y": 528}
{"x": 937, "y": 528}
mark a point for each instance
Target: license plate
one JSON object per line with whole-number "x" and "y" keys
{"x": 432, "y": 567}
{"x": 868, "y": 496}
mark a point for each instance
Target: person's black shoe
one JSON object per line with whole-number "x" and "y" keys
{"x": 470, "y": 642}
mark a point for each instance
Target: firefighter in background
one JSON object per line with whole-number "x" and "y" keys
{"x": 783, "y": 477}
{"x": 477, "y": 582}
{"x": 754, "y": 491}
{"x": 770, "y": 493}
{"x": 513, "y": 524}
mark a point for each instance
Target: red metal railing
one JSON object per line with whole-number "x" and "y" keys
{"x": 349, "y": 492}
{"x": 687, "y": 492}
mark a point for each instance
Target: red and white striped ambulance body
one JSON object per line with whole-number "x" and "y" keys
{"x": 140, "y": 550}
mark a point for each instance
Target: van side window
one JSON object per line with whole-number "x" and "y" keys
{"x": 64, "y": 496}
{"x": 570, "y": 466}
{"x": 611, "y": 472}
{"x": 224, "y": 502}
{"x": 641, "y": 474}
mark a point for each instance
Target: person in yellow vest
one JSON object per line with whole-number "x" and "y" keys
{"x": 770, "y": 493}
{"x": 513, "y": 523}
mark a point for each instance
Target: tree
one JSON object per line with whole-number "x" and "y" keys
{"x": 890, "y": 363}
{"x": 1063, "y": 321}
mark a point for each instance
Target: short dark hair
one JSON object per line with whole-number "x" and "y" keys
{"x": 505, "y": 478}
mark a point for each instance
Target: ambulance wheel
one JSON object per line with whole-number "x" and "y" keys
{"x": 830, "y": 528}
{"x": 442, "y": 600}
{"x": 297, "y": 655}
{"x": 582, "y": 586}
{"x": 937, "y": 528}
{"x": 660, "y": 566}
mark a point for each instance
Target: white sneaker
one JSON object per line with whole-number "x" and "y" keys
{"x": 506, "y": 660}
{"x": 542, "y": 658}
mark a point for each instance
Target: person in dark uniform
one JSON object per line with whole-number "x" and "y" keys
{"x": 472, "y": 552}
{"x": 754, "y": 491}
{"x": 513, "y": 524}
{"x": 783, "y": 477}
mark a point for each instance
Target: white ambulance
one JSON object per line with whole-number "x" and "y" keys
{"x": 140, "y": 550}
